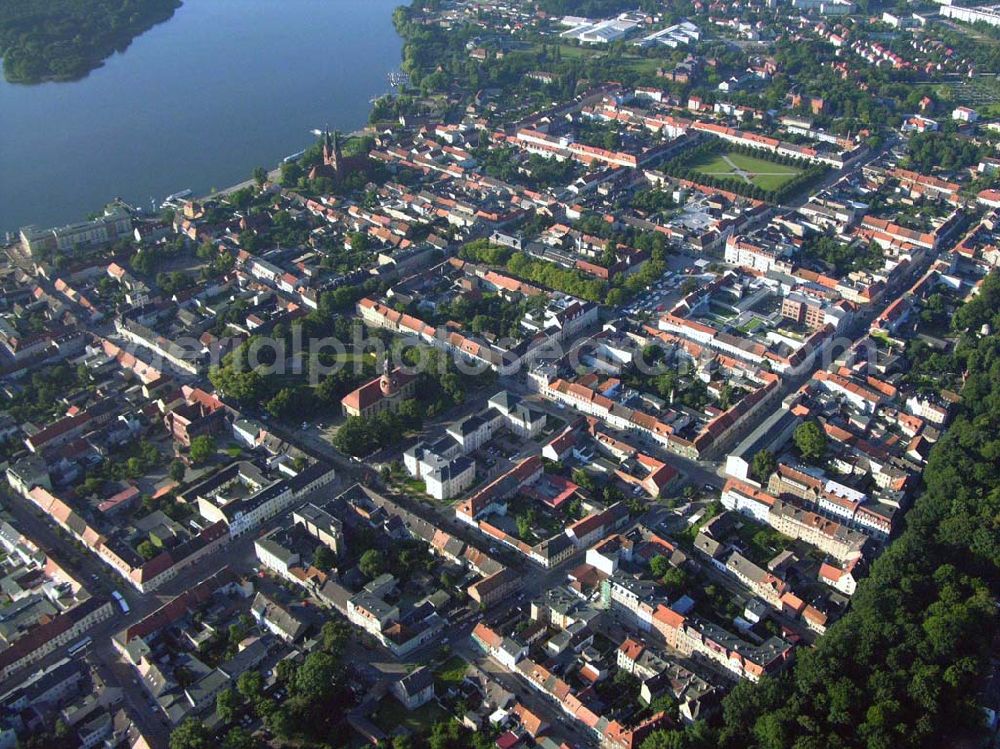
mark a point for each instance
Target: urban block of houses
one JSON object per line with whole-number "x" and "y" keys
{"x": 242, "y": 495}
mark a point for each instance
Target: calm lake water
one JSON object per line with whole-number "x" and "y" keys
{"x": 196, "y": 102}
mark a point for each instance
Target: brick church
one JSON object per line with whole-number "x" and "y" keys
{"x": 335, "y": 165}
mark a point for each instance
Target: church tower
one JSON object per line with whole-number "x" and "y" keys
{"x": 387, "y": 382}
{"x": 331, "y": 151}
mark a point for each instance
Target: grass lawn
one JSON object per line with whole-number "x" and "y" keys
{"x": 572, "y": 52}
{"x": 390, "y": 714}
{"x": 414, "y": 486}
{"x": 764, "y": 174}
{"x": 751, "y": 326}
{"x": 641, "y": 65}
{"x": 566, "y": 51}
{"x": 647, "y": 65}
{"x": 451, "y": 672}
{"x": 351, "y": 356}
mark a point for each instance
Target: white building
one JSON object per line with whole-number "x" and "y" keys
{"x": 444, "y": 478}
{"x": 964, "y": 114}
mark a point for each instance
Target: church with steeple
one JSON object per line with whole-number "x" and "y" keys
{"x": 384, "y": 393}
{"x": 335, "y": 165}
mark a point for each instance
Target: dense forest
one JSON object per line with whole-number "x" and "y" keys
{"x": 44, "y": 40}
{"x": 904, "y": 667}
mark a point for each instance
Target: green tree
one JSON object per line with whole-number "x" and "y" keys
{"x": 675, "y": 581}
{"x": 659, "y": 566}
{"x": 664, "y": 740}
{"x": 228, "y": 704}
{"x": 250, "y": 685}
{"x": 583, "y": 479}
{"x": 355, "y": 437}
{"x": 279, "y": 721}
{"x": 239, "y": 738}
{"x": 810, "y": 440}
{"x": 291, "y": 403}
{"x": 177, "y": 470}
{"x": 335, "y": 635}
{"x": 147, "y": 549}
{"x": 202, "y": 448}
{"x": 525, "y": 522}
{"x": 190, "y": 734}
{"x": 324, "y": 558}
{"x": 206, "y": 251}
{"x": 259, "y": 175}
{"x": 763, "y": 465}
{"x": 317, "y": 677}
{"x": 372, "y": 563}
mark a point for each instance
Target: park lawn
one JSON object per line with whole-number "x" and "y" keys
{"x": 712, "y": 164}
{"x": 571, "y": 51}
{"x": 765, "y": 174}
{"x": 772, "y": 182}
{"x": 390, "y": 714}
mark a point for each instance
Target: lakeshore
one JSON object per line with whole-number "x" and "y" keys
{"x": 222, "y": 105}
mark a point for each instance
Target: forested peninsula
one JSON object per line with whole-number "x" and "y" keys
{"x": 61, "y": 40}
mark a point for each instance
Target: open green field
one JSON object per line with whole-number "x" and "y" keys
{"x": 765, "y": 174}
{"x": 350, "y": 357}
{"x": 641, "y": 65}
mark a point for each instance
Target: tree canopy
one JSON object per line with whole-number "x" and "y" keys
{"x": 65, "y": 39}
{"x": 810, "y": 440}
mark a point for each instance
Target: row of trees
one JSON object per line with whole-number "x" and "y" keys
{"x": 566, "y": 280}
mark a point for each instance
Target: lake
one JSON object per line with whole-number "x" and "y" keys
{"x": 196, "y": 102}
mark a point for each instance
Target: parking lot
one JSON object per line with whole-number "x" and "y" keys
{"x": 662, "y": 295}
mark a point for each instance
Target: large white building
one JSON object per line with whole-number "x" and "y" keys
{"x": 748, "y": 255}
{"x": 105, "y": 229}
{"x": 600, "y": 32}
{"x": 443, "y": 465}
{"x": 242, "y": 497}
{"x": 986, "y": 13}
{"x": 443, "y": 477}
